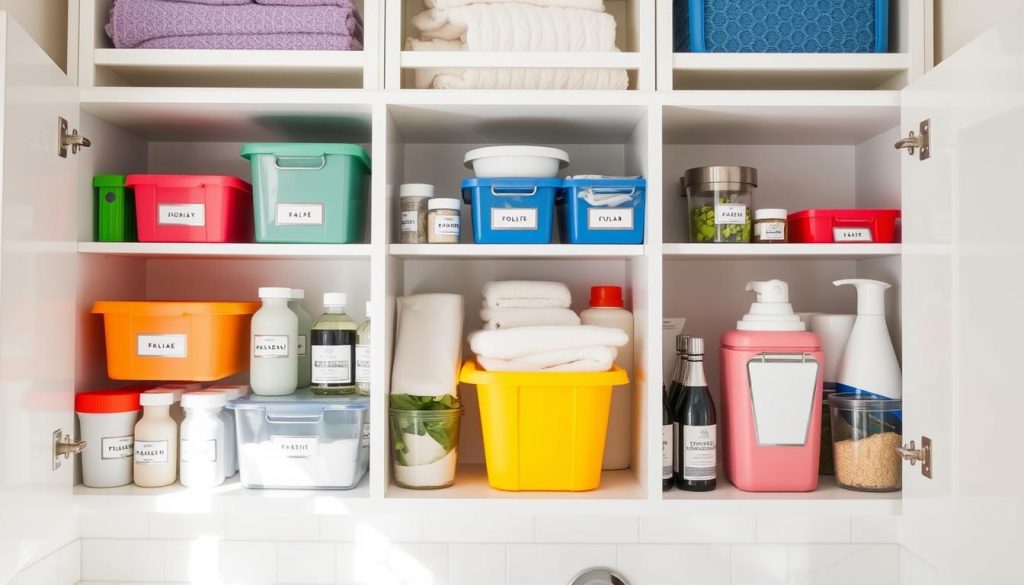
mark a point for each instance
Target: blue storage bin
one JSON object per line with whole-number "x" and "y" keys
{"x": 602, "y": 211}
{"x": 788, "y": 26}
{"x": 511, "y": 211}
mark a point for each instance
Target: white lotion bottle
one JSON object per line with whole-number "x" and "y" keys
{"x": 606, "y": 310}
{"x": 202, "y": 439}
{"x": 156, "y": 441}
{"x": 273, "y": 363}
{"x": 302, "y": 342}
{"x": 869, "y": 366}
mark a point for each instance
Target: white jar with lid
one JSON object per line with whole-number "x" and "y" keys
{"x": 413, "y": 199}
{"x": 771, "y": 226}
{"x": 273, "y": 363}
{"x": 177, "y": 413}
{"x": 202, "y": 439}
{"x": 107, "y": 423}
{"x": 444, "y": 221}
{"x": 302, "y": 342}
{"x": 156, "y": 441}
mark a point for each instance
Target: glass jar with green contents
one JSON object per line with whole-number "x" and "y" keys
{"x": 719, "y": 199}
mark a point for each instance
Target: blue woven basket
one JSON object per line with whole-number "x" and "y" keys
{"x": 783, "y": 26}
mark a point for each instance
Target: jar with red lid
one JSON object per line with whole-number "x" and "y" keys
{"x": 107, "y": 421}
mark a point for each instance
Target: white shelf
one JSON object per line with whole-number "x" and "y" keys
{"x": 828, "y": 500}
{"x": 780, "y": 251}
{"x": 514, "y": 251}
{"x": 234, "y": 68}
{"x": 261, "y": 251}
{"x": 787, "y": 71}
{"x": 519, "y": 59}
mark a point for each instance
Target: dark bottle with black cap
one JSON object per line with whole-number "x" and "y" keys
{"x": 696, "y": 425}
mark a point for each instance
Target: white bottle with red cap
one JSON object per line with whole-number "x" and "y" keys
{"x": 606, "y": 310}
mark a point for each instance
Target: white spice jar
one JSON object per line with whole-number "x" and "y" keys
{"x": 156, "y": 441}
{"x": 202, "y": 439}
{"x": 444, "y": 221}
{"x": 107, "y": 421}
{"x": 412, "y": 200}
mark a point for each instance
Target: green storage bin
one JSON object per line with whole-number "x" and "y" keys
{"x": 114, "y": 209}
{"x": 308, "y": 193}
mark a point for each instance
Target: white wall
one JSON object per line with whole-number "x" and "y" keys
{"x": 46, "y": 21}
{"x": 959, "y": 21}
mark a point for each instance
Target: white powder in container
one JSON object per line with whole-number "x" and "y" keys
{"x": 302, "y": 462}
{"x": 437, "y": 474}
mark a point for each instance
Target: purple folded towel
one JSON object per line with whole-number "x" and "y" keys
{"x": 134, "y": 22}
{"x": 282, "y": 42}
{"x": 214, "y": 2}
{"x": 303, "y": 2}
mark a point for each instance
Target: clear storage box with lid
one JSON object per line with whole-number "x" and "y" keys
{"x": 719, "y": 199}
{"x": 301, "y": 441}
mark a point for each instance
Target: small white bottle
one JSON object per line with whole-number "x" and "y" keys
{"x": 156, "y": 441}
{"x": 302, "y": 343}
{"x": 363, "y": 355}
{"x": 177, "y": 413}
{"x": 273, "y": 363}
{"x": 202, "y": 439}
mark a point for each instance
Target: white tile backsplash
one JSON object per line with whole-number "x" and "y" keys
{"x": 587, "y": 529}
{"x": 474, "y": 528}
{"x": 803, "y": 529}
{"x": 111, "y": 523}
{"x": 544, "y": 564}
{"x": 273, "y": 526}
{"x": 675, "y": 563}
{"x": 392, "y": 527}
{"x": 874, "y": 529}
{"x": 122, "y": 560}
{"x": 476, "y": 564}
{"x": 762, "y": 564}
{"x": 306, "y": 562}
{"x": 689, "y": 529}
{"x": 812, "y": 564}
{"x": 174, "y": 526}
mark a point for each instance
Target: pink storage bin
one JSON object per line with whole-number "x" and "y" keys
{"x": 192, "y": 208}
{"x": 771, "y": 409}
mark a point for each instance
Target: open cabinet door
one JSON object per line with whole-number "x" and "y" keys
{"x": 963, "y": 316}
{"x": 38, "y": 251}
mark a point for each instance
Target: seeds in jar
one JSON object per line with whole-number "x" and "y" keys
{"x": 869, "y": 464}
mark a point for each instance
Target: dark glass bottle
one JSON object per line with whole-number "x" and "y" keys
{"x": 668, "y": 443}
{"x": 697, "y": 425}
{"x": 675, "y": 395}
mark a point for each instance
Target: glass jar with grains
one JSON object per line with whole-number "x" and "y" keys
{"x": 444, "y": 221}
{"x": 413, "y": 199}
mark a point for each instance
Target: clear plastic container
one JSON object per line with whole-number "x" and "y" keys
{"x": 302, "y": 441}
{"x": 425, "y": 447}
{"x": 866, "y": 434}
{"x": 719, "y": 199}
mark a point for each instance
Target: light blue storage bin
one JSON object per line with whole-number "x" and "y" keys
{"x": 511, "y": 211}
{"x": 787, "y": 26}
{"x": 602, "y": 211}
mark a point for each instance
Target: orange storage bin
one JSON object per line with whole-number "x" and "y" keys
{"x": 190, "y": 341}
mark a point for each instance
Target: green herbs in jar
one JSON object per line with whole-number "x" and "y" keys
{"x": 731, "y": 223}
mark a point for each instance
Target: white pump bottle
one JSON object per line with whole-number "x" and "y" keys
{"x": 869, "y": 366}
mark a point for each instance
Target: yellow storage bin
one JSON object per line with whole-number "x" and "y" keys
{"x": 543, "y": 431}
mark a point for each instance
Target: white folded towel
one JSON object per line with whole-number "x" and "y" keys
{"x": 514, "y": 26}
{"x": 526, "y": 294}
{"x": 509, "y": 344}
{"x": 584, "y": 359}
{"x": 428, "y": 345}
{"x": 507, "y": 318}
{"x": 597, "y": 5}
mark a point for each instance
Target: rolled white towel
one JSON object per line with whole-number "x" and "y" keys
{"x": 507, "y": 318}
{"x": 597, "y": 5}
{"x": 526, "y": 294}
{"x": 583, "y": 359}
{"x": 509, "y": 344}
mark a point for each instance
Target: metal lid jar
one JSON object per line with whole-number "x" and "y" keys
{"x": 719, "y": 199}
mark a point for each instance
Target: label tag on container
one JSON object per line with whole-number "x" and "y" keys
{"x": 168, "y": 346}
{"x": 852, "y": 235}
{"x": 363, "y": 363}
{"x": 513, "y": 219}
{"x": 332, "y": 364}
{"x": 730, "y": 214}
{"x": 299, "y": 447}
{"x": 117, "y": 447}
{"x": 270, "y": 346}
{"x": 699, "y": 446}
{"x": 667, "y": 446}
{"x": 410, "y": 221}
{"x": 366, "y": 435}
{"x": 447, "y": 225}
{"x": 300, "y": 214}
{"x": 771, "y": 232}
{"x": 190, "y": 214}
{"x": 151, "y": 452}
{"x": 198, "y": 450}
{"x": 610, "y": 219}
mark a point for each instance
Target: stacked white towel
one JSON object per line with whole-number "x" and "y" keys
{"x": 548, "y": 348}
{"x": 516, "y": 25}
{"x": 522, "y": 303}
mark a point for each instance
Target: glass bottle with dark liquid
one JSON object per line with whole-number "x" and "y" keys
{"x": 675, "y": 394}
{"x": 668, "y": 443}
{"x": 333, "y": 348}
{"x": 696, "y": 424}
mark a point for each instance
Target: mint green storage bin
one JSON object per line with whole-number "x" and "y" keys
{"x": 308, "y": 193}
{"x": 114, "y": 210}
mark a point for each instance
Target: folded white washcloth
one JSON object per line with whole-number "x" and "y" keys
{"x": 428, "y": 345}
{"x": 583, "y": 359}
{"x": 526, "y": 294}
{"x": 507, "y": 318}
{"x": 514, "y": 26}
{"x": 597, "y": 5}
{"x": 509, "y": 344}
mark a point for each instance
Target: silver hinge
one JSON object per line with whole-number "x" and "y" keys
{"x": 63, "y": 445}
{"x": 72, "y": 139}
{"x": 920, "y": 143}
{"x": 911, "y": 453}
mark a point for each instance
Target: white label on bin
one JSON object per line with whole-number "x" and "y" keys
{"x": 730, "y": 214}
{"x": 366, "y": 435}
{"x": 116, "y": 447}
{"x": 513, "y": 219}
{"x": 363, "y": 364}
{"x": 410, "y": 221}
{"x": 299, "y": 447}
{"x": 300, "y": 214}
{"x": 447, "y": 225}
{"x": 198, "y": 450}
{"x": 332, "y": 364}
{"x": 270, "y": 346}
{"x": 610, "y": 219}
{"x": 852, "y": 235}
{"x": 699, "y": 446}
{"x": 151, "y": 452}
{"x": 770, "y": 231}
{"x": 168, "y": 346}
{"x": 300, "y": 346}
{"x": 191, "y": 214}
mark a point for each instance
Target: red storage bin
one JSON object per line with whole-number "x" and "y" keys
{"x": 192, "y": 208}
{"x": 844, "y": 226}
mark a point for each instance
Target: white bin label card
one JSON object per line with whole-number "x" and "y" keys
{"x": 448, "y": 225}
{"x": 296, "y": 446}
{"x": 300, "y": 214}
{"x": 610, "y": 219}
{"x": 410, "y": 221}
{"x": 513, "y": 219}
{"x": 852, "y": 235}
{"x": 151, "y": 452}
{"x": 168, "y": 346}
{"x": 699, "y": 446}
{"x": 117, "y": 447}
{"x": 270, "y": 346}
{"x": 199, "y": 450}
{"x": 730, "y": 214}
{"x": 189, "y": 214}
